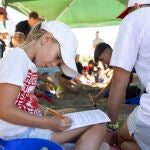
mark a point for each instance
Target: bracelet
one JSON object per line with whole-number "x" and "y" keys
{"x": 45, "y": 112}
{"x": 112, "y": 126}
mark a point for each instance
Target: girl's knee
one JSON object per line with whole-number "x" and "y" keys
{"x": 100, "y": 129}
{"x": 100, "y": 126}
{"x": 129, "y": 145}
{"x": 123, "y": 146}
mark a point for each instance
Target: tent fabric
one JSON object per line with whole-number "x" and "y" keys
{"x": 76, "y": 13}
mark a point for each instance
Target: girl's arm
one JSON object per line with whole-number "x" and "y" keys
{"x": 11, "y": 113}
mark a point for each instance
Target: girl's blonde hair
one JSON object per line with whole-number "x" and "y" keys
{"x": 34, "y": 34}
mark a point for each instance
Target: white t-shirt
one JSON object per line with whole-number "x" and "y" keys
{"x": 97, "y": 41}
{"x": 132, "y": 49}
{"x": 16, "y": 68}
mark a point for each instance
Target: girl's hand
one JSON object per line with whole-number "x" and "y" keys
{"x": 58, "y": 124}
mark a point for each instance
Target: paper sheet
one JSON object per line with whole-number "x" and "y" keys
{"x": 85, "y": 118}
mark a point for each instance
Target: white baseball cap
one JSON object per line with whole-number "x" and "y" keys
{"x": 68, "y": 44}
{"x": 131, "y": 3}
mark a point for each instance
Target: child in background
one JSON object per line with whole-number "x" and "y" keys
{"x": 89, "y": 71}
{"x": 21, "y": 116}
{"x": 14, "y": 41}
{"x": 103, "y": 53}
{"x": 17, "y": 39}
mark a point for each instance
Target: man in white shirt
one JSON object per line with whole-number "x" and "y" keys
{"x": 132, "y": 49}
{"x": 97, "y": 39}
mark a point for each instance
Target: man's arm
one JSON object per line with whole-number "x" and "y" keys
{"x": 118, "y": 87}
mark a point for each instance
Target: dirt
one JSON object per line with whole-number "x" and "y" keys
{"x": 81, "y": 101}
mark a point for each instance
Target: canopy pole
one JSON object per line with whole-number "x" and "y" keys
{"x": 4, "y": 3}
{"x": 71, "y": 3}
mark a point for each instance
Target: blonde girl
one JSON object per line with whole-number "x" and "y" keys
{"x": 48, "y": 44}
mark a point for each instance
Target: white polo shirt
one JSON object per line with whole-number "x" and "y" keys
{"x": 132, "y": 49}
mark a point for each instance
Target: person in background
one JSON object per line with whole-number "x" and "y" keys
{"x": 97, "y": 39}
{"x": 78, "y": 64}
{"x": 103, "y": 52}
{"x": 3, "y": 17}
{"x": 2, "y": 48}
{"x": 3, "y": 14}
{"x": 17, "y": 39}
{"x": 91, "y": 65}
{"x": 89, "y": 71}
{"x": 46, "y": 46}
{"x": 131, "y": 50}
{"x": 26, "y": 25}
{"x": 68, "y": 84}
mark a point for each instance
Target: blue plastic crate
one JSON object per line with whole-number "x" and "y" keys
{"x": 29, "y": 144}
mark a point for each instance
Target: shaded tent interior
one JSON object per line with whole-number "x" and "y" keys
{"x": 75, "y": 13}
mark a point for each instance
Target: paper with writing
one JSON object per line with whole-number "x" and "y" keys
{"x": 85, "y": 118}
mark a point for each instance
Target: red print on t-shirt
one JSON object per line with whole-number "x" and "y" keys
{"x": 26, "y": 99}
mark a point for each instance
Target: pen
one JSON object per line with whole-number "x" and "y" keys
{"x": 55, "y": 113}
